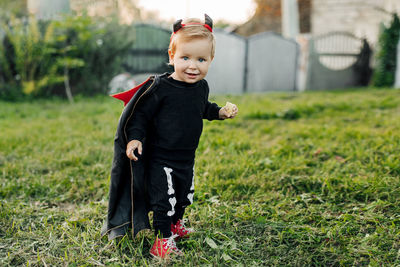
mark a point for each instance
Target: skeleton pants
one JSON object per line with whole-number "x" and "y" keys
{"x": 171, "y": 189}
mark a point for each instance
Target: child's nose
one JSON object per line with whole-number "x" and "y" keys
{"x": 192, "y": 64}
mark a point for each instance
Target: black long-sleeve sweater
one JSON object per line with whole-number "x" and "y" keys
{"x": 171, "y": 118}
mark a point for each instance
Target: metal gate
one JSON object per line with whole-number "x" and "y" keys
{"x": 149, "y": 53}
{"x": 338, "y": 60}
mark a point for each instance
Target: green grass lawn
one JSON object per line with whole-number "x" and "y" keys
{"x": 296, "y": 179}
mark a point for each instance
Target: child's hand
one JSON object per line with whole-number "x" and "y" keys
{"x": 131, "y": 147}
{"x": 229, "y": 111}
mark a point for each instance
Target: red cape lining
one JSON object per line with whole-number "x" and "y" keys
{"x": 127, "y": 95}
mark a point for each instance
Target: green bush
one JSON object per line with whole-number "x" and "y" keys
{"x": 39, "y": 59}
{"x": 26, "y": 60}
{"x": 384, "y": 73}
{"x": 16, "y": 8}
{"x": 100, "y": 44}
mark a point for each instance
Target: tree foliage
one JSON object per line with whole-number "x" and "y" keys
{"x": 268, "y": 7}
{"x": 267, "y": 17}
{"x": 384, "y": 73}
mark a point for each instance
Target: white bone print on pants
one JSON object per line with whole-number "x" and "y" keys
{"x": 190, "y": 195}
{"x": 171, "y": 191}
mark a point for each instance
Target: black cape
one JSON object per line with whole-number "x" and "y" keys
{"x": 128, "y": 205}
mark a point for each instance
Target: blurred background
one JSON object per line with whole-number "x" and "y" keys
{"x": 85, "y": 47}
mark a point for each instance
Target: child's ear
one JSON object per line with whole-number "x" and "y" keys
{"x": 171, "y": 57}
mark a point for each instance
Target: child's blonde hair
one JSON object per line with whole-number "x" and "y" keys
{"x": 193, "y": 29}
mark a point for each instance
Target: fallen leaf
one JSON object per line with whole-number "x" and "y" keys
{"x": 211, "y": 243}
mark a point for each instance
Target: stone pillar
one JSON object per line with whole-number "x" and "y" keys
{"x": 397, "y": 77}
{"x": 302, "y": 61}
{"x": 290, "y": 18}
{"x": 48, "y": 9}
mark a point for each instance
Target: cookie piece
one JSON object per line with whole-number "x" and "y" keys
{"x": 229, "y": 108}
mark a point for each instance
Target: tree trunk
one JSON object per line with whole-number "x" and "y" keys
{"x": 67, "y": 87}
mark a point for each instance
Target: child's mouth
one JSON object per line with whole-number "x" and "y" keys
{"x": 191, "y": 75}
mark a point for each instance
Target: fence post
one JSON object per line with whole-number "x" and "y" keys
{"x": 290, "y": 18}
{"x": 246, "y": 64}
{"x": 303, "y": 41}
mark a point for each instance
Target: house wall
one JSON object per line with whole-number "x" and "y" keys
{"x": 48, "y": 9}
{"x": 360, "y": 17}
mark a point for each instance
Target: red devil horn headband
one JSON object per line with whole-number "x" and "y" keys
{"x": 208, "y": 24}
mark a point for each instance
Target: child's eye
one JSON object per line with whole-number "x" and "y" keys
{"x": 202, "y": 59}
{"x": 185, "y": 58}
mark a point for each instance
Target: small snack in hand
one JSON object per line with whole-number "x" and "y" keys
{"x": 229, "y": 108}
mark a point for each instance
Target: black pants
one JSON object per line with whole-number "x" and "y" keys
{"x": 171, "y": 189}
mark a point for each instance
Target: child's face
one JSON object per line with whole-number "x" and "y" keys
{"x": 191, "y": 60}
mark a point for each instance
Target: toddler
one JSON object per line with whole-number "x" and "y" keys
{"x": 160, "y": 130}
